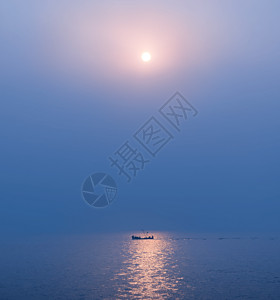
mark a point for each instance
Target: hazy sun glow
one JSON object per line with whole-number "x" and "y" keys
{"x": 126, "y": 45}
{"x": 146, "y": 56}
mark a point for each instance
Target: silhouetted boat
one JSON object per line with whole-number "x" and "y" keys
{"x": 142, "y": 238}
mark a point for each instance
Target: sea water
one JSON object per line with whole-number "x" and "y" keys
{"x": 113, "y": 266}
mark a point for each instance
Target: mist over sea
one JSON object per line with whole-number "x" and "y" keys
{"x": 112, "y": 266}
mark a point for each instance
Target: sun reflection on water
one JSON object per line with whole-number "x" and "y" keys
{"x": 149, "y": 270}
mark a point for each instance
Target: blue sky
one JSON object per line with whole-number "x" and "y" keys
{"x": 73, "y": 89}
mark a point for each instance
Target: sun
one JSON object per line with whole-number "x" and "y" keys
{"x": 146, "y": 56}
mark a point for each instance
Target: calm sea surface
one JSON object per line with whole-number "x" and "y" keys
{"x": 112, "y": 266}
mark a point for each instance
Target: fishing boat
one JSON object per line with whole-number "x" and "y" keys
{"x": 142, "y": 238}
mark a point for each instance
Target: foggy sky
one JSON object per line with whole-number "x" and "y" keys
{"x": 73, "y": 91}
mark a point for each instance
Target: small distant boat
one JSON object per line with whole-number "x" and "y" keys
{"x": 142, "y": 238}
